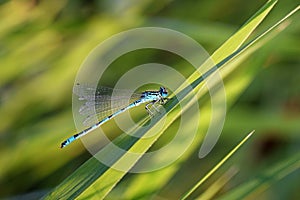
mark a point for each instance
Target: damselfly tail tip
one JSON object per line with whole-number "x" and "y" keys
{"x": 63, "y": 144}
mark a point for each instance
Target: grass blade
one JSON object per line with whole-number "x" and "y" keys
{"x": 236, "y": 41}
{"x": 217, "y": 166}
{"x": 210, "y": 192}
{"x": 265, "y": 179}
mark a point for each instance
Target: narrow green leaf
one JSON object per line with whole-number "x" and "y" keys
{"x": 212, "y": 190}
{"x": 265, "y": 179}
{"x": 235, "y": 41}
{"x": 217, "y": 166}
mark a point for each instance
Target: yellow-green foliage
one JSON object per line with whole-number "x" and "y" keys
{"x": 43, "y": 44}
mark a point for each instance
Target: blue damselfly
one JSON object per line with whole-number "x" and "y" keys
{"x": 101, "y": 98}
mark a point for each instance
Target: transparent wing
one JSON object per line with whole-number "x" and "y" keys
{"x": 102, "y": 93}
{"x": 95, "y": 117}
{"x": 102, "y": 101}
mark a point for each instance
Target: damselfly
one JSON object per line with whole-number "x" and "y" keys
{"x": 101, "y": 97}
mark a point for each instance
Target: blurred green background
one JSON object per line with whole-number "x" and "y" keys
{"x": 43, "y": 44}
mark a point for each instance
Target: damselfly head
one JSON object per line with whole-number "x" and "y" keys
{"x": 163, "y": 92}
